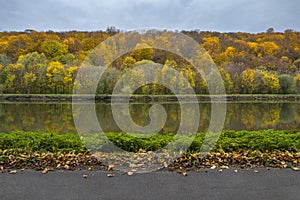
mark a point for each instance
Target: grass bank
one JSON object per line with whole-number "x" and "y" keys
{"x": 149, "y": 98}
{"x": 245, "y": 149}
{"x": 229, "y": 141}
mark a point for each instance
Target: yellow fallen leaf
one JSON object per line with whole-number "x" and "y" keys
{"x": 110, "y": 175}
{"x": 110, "y": 167}
{"x": 296, "y": 168}
{"x": 184, "y": 174}
{"x": 90, "y": 168}
{"x": 45, "y": 171}
{"x": 235, "y": 171}
{"x": 213, "y": 167}
{"x": 195, "y": 155}
{"x": 224, "y": 167}
{"x": 84, "y": 175}
{"x": 255, "y": 171}
{"x": 180, "y": 170}
{"x": 13, "y": 172}
{"x": 220, "y": 170}
{"x": 130, "y": 173}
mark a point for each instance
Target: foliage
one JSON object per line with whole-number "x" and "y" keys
{"x": 249, "y": 63}
{"x": 229, "y": 141}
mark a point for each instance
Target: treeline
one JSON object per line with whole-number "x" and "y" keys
{"x": 47, "y": 62}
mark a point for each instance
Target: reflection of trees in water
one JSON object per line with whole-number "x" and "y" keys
{"x": 287, "y": 113}
{"x": 247, "y": 118}
{"x": 253, "y": 116}
{"x": 259, "y": 115}
{"x": 270, "y": 115}
{"x": 37, "y": 117}
{"x": 59, "y": 118}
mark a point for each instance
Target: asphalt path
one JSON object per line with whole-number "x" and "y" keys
{"x": 63, "y": 185}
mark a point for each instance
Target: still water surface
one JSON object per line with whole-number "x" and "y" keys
{"x": 58, "y": 117}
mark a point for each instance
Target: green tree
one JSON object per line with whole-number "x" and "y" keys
{"x": 297, "y": 83}
{"x": 286, "y": 83}
{"x": 32, "y": 61}
{"x": 53, "y": 50}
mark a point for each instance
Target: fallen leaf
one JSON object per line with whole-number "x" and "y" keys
{"x": 130, "y": 173}
{"x": 224, "y": 167}
{"x": 90, "y": 168}
{"x": 255, "y": 171}
{"x": 66, "y": 166}
{"x": 110, "y": 167}
{"x": 184, "y": 174}
{"x": 110, "y": 175}
{"x": 84, "y": 175}
{"x": 45, "y": 171}
{"x": 180, "y": 170}
{"x": 213, "y": 167}
{"x": 165, "y": 165}
{"x": 220, "y": 170}
{"x": 296, "y": 168}
{"x": 235, "y": 171}
{"x": 13, "y": 172}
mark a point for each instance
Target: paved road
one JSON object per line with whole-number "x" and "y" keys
{"x": 64, "y": 185}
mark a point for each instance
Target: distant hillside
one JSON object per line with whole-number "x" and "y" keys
{"x": 47, "y": 62}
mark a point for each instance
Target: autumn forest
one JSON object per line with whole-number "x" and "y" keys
{"x": 34, "y": 62}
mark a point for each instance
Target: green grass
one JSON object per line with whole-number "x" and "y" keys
{"x": 245, "y": 96}
{"x": 229, "y": 141}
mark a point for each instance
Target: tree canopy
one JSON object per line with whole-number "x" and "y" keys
{"x": 47, "y": 62}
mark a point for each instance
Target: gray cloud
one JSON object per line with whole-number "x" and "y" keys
{"x": 219, "y": 15}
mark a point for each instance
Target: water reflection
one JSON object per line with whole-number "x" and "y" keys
{"x": 57, "y": 117}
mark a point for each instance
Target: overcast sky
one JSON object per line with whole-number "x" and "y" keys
{"x": 211, "y": 15}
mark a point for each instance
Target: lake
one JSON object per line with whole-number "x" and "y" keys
{"x": 58, "y": 117}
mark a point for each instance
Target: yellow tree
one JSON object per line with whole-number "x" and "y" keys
{"x": 127, "y": 63}
{"x": 69, "y": 77}
{"x": 144, "y": 52}
{"x": 270, "y": 48}
{"x": 226, "y": 56}
{"x": 253, "y": 46}
{"x": 9, "y": 83}
{"x": 55, "y": 76}
{"x": 212, "y": 45}
{"x": 29, "y": 81}
{"x": 247, "y": 81}
{"x": 266, "y": 83}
